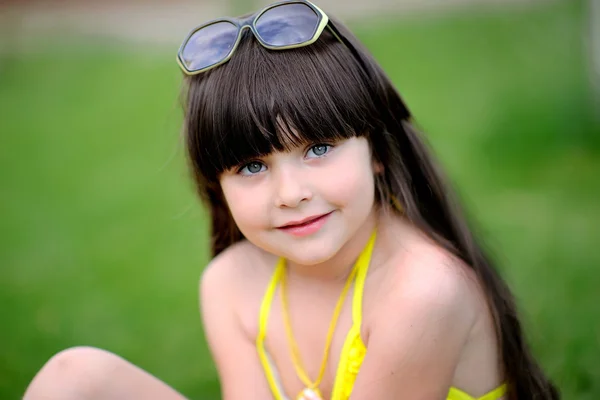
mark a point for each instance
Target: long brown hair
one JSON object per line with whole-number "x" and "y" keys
{"x": 326, "y": 91}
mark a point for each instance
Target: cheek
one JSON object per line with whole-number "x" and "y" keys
{"x": 350, "y": 184}
{"x": 245, "y": 204}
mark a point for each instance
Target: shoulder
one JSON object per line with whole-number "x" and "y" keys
{"x": 424, "y": 280}
{"x": 233, "y": 282}
{"x": 230, "y": 270}
{"x": 422, "y": 308}
{"x": 432, "y": 274}
{"x": 230, "y": 293}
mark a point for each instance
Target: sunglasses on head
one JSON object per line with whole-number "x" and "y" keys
{"x": 280, "y": 26}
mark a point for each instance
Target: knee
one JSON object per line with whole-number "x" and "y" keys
{"x": 83, "y": 363}
{"x": 78, "y": 372}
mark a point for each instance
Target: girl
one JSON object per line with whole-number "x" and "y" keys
{"x": 341, "y": 267}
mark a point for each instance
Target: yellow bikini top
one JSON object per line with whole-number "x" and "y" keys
{"x": 353, "y": 350}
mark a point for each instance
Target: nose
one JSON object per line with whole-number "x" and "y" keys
{"x": 291, "y": 188}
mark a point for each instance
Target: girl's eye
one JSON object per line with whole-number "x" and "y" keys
{"x": 252, "y": 168}
{"x": 318, "y": 150}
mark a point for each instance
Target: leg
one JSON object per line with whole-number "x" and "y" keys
{"x": 93, "y": 374}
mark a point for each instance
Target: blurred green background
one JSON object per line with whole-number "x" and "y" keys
{"x": 102, "y": 239}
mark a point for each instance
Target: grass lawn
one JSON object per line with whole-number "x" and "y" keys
{"x": 102, "y": 240}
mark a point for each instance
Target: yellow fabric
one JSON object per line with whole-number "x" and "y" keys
{"x": 295, "y": 352}
{"x": 354, "y": 349}
{"x": 456, "y": 394}
{"x": 265, "y": 308}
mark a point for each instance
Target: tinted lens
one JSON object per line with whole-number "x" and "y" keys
{"x": 209, "y": 45}
{"x": 287, "y": 24}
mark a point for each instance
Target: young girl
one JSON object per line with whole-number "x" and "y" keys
{"x": 341, "y": 267}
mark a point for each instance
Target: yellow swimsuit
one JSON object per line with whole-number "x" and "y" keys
{"x": 354, "y": 349}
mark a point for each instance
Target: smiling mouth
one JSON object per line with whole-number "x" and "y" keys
{"x": 303, "y": 222}
{"x": 306, "y": 226}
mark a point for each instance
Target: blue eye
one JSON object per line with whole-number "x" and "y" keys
{"x": 318, "y": 150}
{"x": 252, "y": 168}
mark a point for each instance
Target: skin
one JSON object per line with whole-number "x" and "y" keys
{"x": 303, "y": 183}
{"x": 425, "y": 323}
{"x": 425, "y": 320}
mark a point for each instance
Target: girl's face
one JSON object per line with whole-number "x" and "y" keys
{"x": 305, "y": 204}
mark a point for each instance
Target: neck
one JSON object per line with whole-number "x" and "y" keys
{"x": 338, "y": 267}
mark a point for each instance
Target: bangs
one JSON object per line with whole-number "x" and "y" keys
{"x": 263, "y": 100}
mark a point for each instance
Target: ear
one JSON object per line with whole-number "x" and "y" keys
{"x": 378, "y": 168}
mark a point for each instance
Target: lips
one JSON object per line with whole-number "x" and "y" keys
{"x": 306, "y": 226}
{"x": 301, "y": 222}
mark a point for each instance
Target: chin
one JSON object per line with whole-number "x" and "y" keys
{"x": 312, "y": 252}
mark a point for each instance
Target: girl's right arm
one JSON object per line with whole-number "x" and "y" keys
{"x": 233, "y": 350}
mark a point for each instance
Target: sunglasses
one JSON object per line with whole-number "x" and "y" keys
{"x": 280, "y": 26}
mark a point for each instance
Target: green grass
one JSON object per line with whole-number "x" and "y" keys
{"x": 102, "y": 239}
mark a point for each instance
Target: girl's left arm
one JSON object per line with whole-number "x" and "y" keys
{"x": 419, "y": 330}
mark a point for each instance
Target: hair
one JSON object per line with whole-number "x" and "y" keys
{"x": 331, "y": 90}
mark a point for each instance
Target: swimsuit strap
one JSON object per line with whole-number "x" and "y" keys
{"x": 363, "y": 262}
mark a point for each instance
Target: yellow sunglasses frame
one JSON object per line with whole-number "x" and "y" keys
{"x": 250, "y": 23}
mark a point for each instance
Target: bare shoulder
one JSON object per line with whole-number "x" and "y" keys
{"x": 423, "y": 278}
{"x": 233, "y": 269}
{"x": 233, "y": 282}
{"x": 432, "y": 273}
{"x": 230, "y": 289}
{"x": 421, "y": 306}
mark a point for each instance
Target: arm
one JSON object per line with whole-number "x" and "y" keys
{"x": 233, "y": 351}
{"x": 417, "y": 336}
